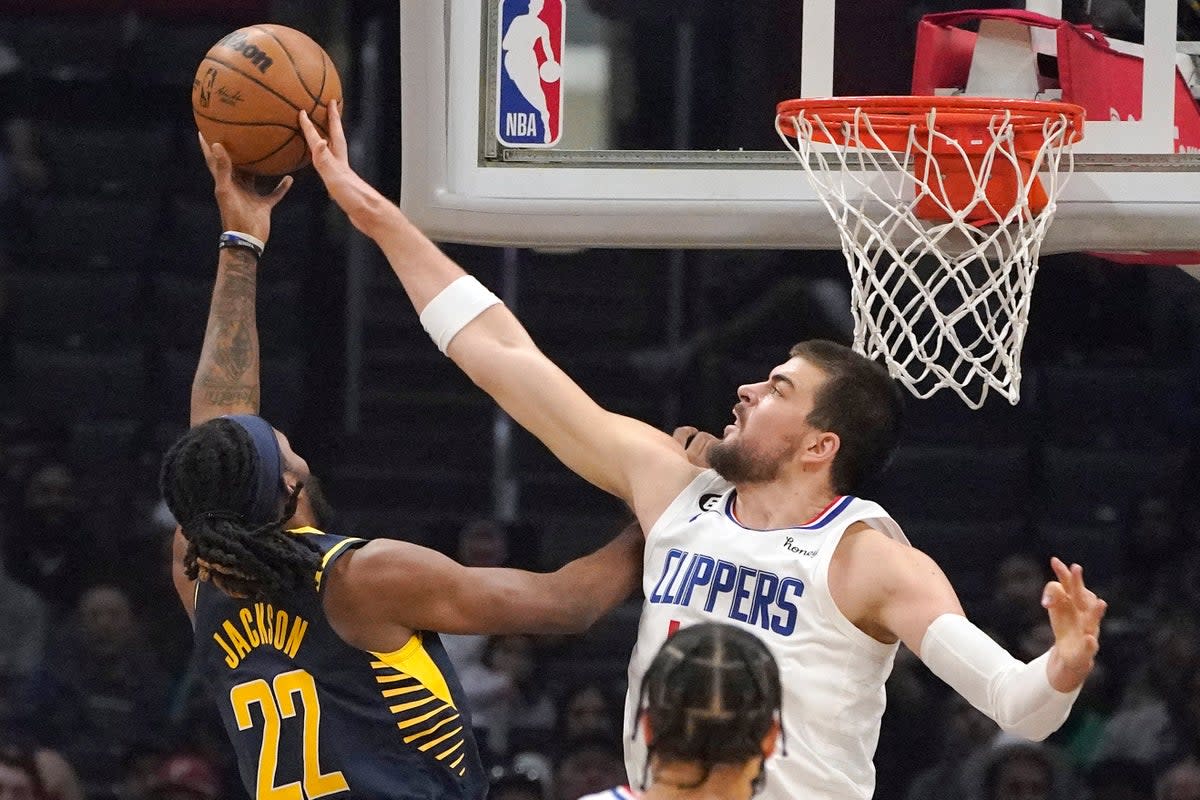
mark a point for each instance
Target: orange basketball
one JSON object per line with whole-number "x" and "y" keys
{"x": 250, "y": 88}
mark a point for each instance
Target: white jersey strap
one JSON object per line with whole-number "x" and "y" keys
{"x": 1018, "y": 696}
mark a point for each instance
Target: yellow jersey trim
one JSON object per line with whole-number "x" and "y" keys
{"x": 333, "y": 551}
{"x": 412, "y": 660}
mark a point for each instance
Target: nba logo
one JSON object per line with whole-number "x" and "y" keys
{"x": 530, "y": 73}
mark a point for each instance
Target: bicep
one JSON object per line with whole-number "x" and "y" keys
{"x": 917, "y": 592}
{"x": 400, "y": 585}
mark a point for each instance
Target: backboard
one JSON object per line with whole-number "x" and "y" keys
{"x": 663, "y": 119}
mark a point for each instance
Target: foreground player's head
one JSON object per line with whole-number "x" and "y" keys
{"x": 234, "y": 484}
{"x": 711, "y": 698}
{"x": 826, "y": 408}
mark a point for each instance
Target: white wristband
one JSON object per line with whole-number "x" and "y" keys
{"x": 245, "y": 240}
{"x": 1018, "y": 696}
{"x": 454, "y": 307}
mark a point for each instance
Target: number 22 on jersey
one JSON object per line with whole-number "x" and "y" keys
{"x": 278, "y": 702}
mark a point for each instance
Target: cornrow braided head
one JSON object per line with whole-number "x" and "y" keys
{"x": 211, "y": 481}
{"x": 710, "y": 696}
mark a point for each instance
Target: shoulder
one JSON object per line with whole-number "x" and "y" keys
{"x": 873, "y": 564}
{"x": 375, "y": 561}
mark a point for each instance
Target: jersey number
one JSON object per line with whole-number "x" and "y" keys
{"x": 278, "y": 702}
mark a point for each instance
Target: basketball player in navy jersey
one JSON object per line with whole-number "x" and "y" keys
{"x": 331, "y": 680}
{"x": 771, "y": 537}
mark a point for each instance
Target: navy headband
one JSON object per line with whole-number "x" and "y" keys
{"x": 263, "y": 506}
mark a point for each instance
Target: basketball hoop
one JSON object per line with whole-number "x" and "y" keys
{"x": 942, "y": 214}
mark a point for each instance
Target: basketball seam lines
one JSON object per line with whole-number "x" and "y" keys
{"x": 210, "y": 118}
{"x": 292, "y": 61}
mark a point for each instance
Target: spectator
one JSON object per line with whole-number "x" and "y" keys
{"x": 1120, "y": 779}
{"x": 589, "y": 765}
{"x": 1153, "y": 539}
{"x": 1015, "y": 604}
{"x": 967, "y": 731}
{"x": 48, "y": 547}
{"x": 1161, "y": 731}
{"x": 1016, "y": 769}
{"x": 1173, "y": 648}
{"x": 184, "y": 776}
{"x": 506, "y": 699}
{"x": 1180, "y": 782}
{"x": 22, "y": 626}
{"x": 589, "y": 709}
{"x": 19, "y": 779}
{"x": 101, "y": 692}
{"x": 515, "y": 785}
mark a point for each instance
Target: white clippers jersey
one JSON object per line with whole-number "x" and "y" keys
{"x": 702, "y": 565}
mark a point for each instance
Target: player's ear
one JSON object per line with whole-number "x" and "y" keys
{"x": 647, "y": 730}
{"x": 771, "y": 739}
{"x": 822, "y": 446}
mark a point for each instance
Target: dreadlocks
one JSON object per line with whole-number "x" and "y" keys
{"x": 711, "y": 695}
{"x": 208, "y": 478}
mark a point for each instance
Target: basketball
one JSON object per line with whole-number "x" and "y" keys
{"x": 250, "y": 88}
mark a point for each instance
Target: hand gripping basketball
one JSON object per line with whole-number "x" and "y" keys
{"x": 242, "y": 207}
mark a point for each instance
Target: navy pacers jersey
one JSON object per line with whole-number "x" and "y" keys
{"x": 311, "y": 716}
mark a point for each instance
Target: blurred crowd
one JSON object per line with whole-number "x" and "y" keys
{"x": 99, "y": 698}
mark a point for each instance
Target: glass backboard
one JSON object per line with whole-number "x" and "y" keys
{"x": 659, "y": 131}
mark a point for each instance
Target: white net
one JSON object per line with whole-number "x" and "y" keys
{"x": 944, "y": 302}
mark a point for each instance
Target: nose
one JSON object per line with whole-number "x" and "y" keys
{"x": 749, "y": 392}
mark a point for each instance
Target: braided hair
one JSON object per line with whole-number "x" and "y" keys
{"x": 208, "y": 478}
{"x": 710, "y": 695}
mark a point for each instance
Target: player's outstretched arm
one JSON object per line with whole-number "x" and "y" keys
{"x": 627, "y": 458}
{"x": 900, "y": 592}
{"x": 227, "y": 376}
{"x": 380, "y": 593}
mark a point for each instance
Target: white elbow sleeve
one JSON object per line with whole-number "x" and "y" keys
{"x": 1016, "y": 695}
{"x": 454, "y": 307}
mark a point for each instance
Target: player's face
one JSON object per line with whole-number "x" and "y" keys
{"x": 770, "y": 424}
{"x": 296, "y": 469}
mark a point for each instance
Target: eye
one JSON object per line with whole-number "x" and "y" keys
{"x": 775, "y": 390}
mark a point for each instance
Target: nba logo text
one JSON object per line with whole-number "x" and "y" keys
{"x": 530, "y": 73}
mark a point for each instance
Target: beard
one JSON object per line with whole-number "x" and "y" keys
{"x": 738, "y": 464}
{"x": 323, "y": 513}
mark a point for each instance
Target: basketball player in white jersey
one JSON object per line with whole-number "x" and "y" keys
{"x": 771, "y": 537}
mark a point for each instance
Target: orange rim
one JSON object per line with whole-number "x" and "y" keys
{"x": 965, "y": 119}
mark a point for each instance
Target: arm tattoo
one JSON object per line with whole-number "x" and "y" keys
{"x": 227, "y": 377}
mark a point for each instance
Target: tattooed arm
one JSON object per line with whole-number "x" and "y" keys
{"x": 227, "y": 377}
